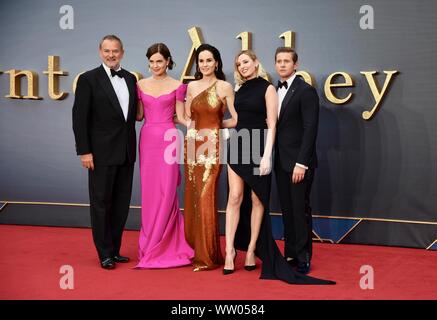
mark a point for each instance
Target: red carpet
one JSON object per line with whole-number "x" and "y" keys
{"x": 32, "y": 257}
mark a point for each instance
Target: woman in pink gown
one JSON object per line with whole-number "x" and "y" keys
{"x": 162, "y": 242}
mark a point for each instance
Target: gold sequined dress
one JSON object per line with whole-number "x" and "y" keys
{"x": 202, "y": 171}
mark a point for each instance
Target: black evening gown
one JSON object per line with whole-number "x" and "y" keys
{"x": 251, "y": 108}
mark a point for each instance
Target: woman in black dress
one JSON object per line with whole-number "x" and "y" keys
{"x": 248, "y": 226}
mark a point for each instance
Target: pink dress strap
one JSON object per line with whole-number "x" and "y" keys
{"x": 181, "y": 92}
{"x": 138, "y": 92}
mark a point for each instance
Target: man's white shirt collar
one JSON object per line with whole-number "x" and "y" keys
{"x": 290, "y": 80}
{"x": 108, "y": 70}
{"x": 121, "y": 90}
{"x": 283, "y": 91}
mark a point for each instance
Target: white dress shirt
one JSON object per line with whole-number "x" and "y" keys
{"x": 121, "y": 90}
{"x": 281, "y": 95}
{"x": 283, "y": 91}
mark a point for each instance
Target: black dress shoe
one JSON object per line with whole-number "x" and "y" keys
{"x": 120, "y": 259}
{"x": 292, "y": 262}
{"x": 107, "y": 263}
{"x": 304, "y": 267}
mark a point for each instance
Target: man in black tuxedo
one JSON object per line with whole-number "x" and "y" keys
{"x": 104, "y": 113}
{"x": 295, "y": 157}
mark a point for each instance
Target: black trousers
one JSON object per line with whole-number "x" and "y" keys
{"x": 296, "y": 213}
{"x": 110, "y": 189}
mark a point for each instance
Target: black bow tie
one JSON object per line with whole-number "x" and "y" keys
{"x": 282, "y": 84}
{"x": 116, "y": 73}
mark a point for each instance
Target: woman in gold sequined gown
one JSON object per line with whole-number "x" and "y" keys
{"x": 207, "y": 99}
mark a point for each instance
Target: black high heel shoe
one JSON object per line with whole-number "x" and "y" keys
{"x": 250, "y": 267}
{"x": 230, "y": 271}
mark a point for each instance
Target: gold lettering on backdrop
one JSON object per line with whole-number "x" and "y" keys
{"x": 15, "y": 84}
{"x": 196, "y": 39}
{"x": 329, "y": 85}
{"x": 377, "y": 95}
{"x": 195, "y": 34}
{"x": 53, "y": 72}
{"x": 246, "y": 40}
{"x": 288, "y": 37}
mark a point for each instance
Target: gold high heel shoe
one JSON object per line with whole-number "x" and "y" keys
{"x": 200, "y": 268}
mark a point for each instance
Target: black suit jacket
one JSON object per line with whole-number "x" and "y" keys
{"x": 297, "y": 126}
{"x": 98, "y": 122}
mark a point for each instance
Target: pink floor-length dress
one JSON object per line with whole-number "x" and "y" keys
{"x": 162, "y": 242}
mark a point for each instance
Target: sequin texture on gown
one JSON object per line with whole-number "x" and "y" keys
{"x": 202, "y": 170}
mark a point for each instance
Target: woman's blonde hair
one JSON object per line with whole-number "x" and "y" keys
{"x": 239, "y": 80}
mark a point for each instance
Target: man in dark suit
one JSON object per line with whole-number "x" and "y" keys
{"x": 104, "y": 128}
{"x": 295, "y": 157}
